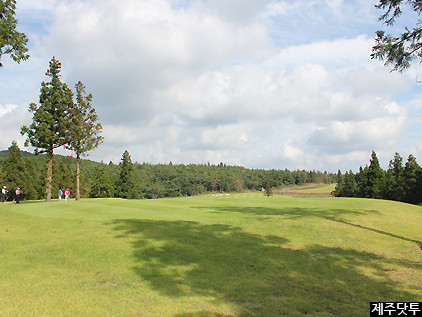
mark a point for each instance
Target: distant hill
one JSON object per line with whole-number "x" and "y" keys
{"x": 58, "y": 157}
{"x": 5, "y": 152}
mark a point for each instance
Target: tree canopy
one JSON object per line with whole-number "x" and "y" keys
{"x": 398, "y": 50}
{"x": 12, "y": 42}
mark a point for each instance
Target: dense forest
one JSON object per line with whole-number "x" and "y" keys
{"x": 135, "y": 180}
{"x": 400, "y": 182}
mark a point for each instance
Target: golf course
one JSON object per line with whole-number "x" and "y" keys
{"x": 240, "y": 254}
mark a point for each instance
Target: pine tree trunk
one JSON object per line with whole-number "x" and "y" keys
{"x": 49, "y": 175}
{"x": 78, "y": 174}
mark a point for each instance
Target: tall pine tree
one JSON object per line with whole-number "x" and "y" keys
{"x": 127, "y": 185}
{"x": 102, "y": 186}
{"x": 84, "y": 129}
{"x": 350, "y": 187}
{"x": 413, "y": 184}
{"x": 374, "y": 179}
{"x": 51, "y": 119}
{"x": 12, "y": 42}
{"x": 395, "y": 179}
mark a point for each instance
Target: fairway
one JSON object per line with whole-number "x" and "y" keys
{"x": 228, "y": 255}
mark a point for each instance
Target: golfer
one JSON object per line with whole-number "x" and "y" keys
{"x": 18, "y": 195}
{"x": 3, "y": 194}
{"x": 67, "y": 194}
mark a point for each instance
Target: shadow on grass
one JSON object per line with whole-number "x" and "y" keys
{"x": 392, "y": 235}
{"x": 258, "y": 275}
{"x": 288, "y": 212}
{"x": 298, "y": 213}
{"x": 24, "y": 202}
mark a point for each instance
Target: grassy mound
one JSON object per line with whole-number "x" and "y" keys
{"x": 230, "y": 255}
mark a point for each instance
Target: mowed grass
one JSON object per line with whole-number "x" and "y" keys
{"x": 322, "y": 189}
{"x": 232, "y": 255}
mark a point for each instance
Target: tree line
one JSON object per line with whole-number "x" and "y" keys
{"x": 400, "y": 182}
{"x": 140, "y": 180}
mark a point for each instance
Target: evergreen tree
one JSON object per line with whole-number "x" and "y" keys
{"x": 268, "y": 190}
{"x": 350, "y": 187}
{"x": 339, "y": 186}
{"x": 398, "y": 50}
{"x": 84, "y": 129}
{"x": 127, "y": 186}
{"x": 34, "y": 192}
{"x": 12, "y": 42}
{"x": 50, "y": 122}
{"x": 395, "y": 179}
{"x": 16, "y": 174}
{"x": 413, "y": 181}
{"x": 374, "y": 179}
{"x": 102, "y": 186}
{"x": 360, "y": 178}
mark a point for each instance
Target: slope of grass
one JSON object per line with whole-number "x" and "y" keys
{"x": 307, "y": 191}
{"x": 233, "y": 255}
{"x": 323, "y": 189}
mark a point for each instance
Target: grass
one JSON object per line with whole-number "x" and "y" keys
{"x": 307, "y": 191}
{"x": 237, "y": 255}
{"x": 322, "y": 189}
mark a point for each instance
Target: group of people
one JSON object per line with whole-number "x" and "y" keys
{"x": 4, "y": 192}
{"x": 66, "y": 194}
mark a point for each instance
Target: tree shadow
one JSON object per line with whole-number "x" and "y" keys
{"x": 288, "y": 212}
{"x": 258, "y": 275}
{"x": 392, "y": 235}
{"x": 27, "y": 202}
{"x": 336, "y": 215}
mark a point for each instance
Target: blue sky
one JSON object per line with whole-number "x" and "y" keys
{"x": 263, "y": 84}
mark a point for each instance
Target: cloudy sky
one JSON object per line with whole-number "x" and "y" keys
{"x": 258, "y": 83}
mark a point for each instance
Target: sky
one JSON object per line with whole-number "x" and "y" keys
{"x": 269, "y": 84}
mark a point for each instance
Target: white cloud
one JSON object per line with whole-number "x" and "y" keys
{"x": 381, "y": 132}
{"x": 36, "y": 5}
{"x": 270, "y": 84}
{"x": 337, "y": 54}
{"x": 6, "y": 109}
{"x": 11, "y": 119}
{"x": 292, "y": 152}
{"x": 124, "y": 54}
{"x": 235, "y": 11}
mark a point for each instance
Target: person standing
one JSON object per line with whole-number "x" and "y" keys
{"x": 18, "y": 195}
{"x": 3, "y": 194}
{"x": 60, "y": 194}
{"x": 67, "y": 194}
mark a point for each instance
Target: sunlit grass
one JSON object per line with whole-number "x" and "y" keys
{"x": 232, "y": 255}
{"x": 320, "y": 189}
